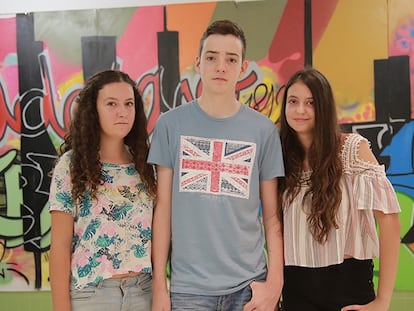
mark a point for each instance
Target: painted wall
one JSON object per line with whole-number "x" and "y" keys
{"x": 23, "y": 6}
{"x": 365, "y": 47}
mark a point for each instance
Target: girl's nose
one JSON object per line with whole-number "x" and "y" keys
{"x": 122, "y": 111}
{"x": 300, "y": 107}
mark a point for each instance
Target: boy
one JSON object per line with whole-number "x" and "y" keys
{"x": 216, "y": 158}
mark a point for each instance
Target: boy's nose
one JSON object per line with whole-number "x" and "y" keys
{"x": 221, "y": 65}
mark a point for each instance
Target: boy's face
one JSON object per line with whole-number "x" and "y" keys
{"x": 220, "y": 64}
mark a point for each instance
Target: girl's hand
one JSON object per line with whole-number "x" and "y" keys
{"x": 375, "y": 305}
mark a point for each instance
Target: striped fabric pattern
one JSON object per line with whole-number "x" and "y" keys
{"x": 365, "y": 189}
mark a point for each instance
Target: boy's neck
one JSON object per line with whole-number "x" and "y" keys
{"x": 219, "y": 106}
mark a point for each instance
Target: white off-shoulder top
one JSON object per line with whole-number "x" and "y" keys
{"x": 365, "y": 188}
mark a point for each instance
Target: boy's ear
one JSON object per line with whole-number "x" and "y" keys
{"x": 197, "y": 64}
{"x": 243, "y": 69}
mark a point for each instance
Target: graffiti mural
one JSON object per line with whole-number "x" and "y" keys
{"x": 45, "y": 58}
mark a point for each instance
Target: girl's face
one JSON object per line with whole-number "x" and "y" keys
{"x": 116, "y": 110}
{"x": 299, "y": 109}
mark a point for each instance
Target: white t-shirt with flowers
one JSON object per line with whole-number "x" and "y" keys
{"x": 112, "y": 234}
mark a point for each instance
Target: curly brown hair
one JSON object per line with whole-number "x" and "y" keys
{"x": 323, "y": 156}
{"x": 83, "y": 138}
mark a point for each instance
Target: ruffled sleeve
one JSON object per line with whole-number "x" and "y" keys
{"x": 371, "y": 189}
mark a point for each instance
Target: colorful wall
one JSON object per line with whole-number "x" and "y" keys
{"x": 365, "y": 48}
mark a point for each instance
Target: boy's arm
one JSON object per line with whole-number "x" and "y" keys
{"x": 60, "y": 259}
{"x": 161, "y": 239}
{"x": 265, "y": 295}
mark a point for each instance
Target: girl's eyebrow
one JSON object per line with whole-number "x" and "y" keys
{"x": 115, "y": 98}
{"x": 110, "y": 98}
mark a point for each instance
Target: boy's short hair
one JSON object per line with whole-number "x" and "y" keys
{"x": 224, "y": 27}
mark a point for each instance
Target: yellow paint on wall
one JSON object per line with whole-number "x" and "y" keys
{"x": 355, "y": 36}
{"x": 75, "y": 79}
{"x": 45, "y": 270}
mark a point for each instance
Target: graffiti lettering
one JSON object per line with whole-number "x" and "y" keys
{"x": 9, "y": 113}
{"x": 10, "y": 116}
{"x": 11, "y": 224}
{"x": 401, "y": 154}
{"x": 149, "y": 86}
{"x": 263, "y": 100}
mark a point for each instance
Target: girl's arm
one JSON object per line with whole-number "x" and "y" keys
{"x": 161, "y": 239}
{"x": 266, "y": 294}
{"x": 60, "y": 260}
{"x": 389, "y": 241}
{"x": 389, "y": 245}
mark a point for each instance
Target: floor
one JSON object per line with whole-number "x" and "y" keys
{"x": 402, "y": 301}
{"x": 41, "y": 301}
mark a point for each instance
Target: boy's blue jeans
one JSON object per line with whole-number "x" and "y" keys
{"x": 230, "y": 302}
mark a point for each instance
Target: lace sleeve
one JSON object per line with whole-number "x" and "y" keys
{"x": 370, "y": 186}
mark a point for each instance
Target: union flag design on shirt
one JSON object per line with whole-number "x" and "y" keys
{"x": 216, "y": 166}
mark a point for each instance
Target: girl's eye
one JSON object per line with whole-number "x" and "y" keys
{"x": 130, "y": 104}
{"x": 111, "y": 104}
{"x": 292, "y": 101}
{"x": 309, "y": 103}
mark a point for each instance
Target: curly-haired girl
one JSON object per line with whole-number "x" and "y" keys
{"x": 101, "y": 202}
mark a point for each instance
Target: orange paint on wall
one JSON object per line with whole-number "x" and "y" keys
{"x": 190, "y": 21}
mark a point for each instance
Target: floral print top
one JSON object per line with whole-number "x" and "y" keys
{"x": 112, "y": 234}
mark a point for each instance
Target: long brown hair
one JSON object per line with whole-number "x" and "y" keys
{"x": 323, "y": 156}
{"x": 83, "y": 138}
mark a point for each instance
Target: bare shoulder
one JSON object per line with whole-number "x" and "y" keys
{"x": 359, "y": 146}
{"x": 365, "y": 153}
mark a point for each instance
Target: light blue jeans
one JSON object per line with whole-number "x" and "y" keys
{"x": 230, "y": 302}
{"x": 126, "y": 294}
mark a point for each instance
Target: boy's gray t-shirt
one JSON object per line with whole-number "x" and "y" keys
{"x": 217, "y": 236}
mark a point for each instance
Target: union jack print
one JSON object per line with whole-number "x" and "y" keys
{"x": 216, "y": 166}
